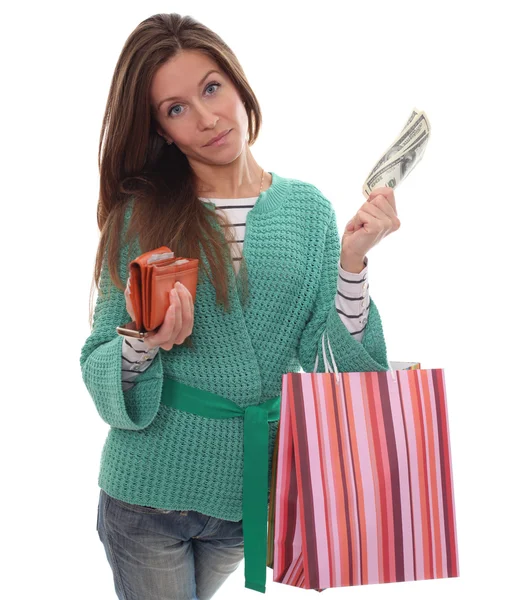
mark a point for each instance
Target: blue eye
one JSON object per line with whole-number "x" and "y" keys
{"x": 213, "y": 84}
{"x": 170, "y": 111}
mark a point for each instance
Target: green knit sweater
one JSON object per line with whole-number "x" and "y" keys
{"x": 158, "y": 456}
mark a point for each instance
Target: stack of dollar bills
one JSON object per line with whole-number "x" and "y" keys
{"x": 402, "y": 155}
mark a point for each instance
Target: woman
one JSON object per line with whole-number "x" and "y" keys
{"x": 171, "y": 505}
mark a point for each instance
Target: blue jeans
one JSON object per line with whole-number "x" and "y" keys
{"x": 158, "y": 554}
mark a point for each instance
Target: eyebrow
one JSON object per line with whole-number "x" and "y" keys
{"x": 198, "y": 85}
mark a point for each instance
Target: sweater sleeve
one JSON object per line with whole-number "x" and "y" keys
{"x": 101, "y": 362}
{"x": 350, "y": 354}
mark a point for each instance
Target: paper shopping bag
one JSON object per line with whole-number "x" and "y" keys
{"x": 361, "y": 487}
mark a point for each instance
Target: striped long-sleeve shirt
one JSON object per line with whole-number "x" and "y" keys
{"x": 351, "y": 300}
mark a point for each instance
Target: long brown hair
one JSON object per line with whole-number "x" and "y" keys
{"x": 136, "y": 163}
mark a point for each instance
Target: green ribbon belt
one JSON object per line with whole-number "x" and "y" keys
{"x": 255, "y": 466}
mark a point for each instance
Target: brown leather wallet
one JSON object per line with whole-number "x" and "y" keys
{"x": 152, "y": 277}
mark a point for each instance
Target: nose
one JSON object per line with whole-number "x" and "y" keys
{"x": 206, "y": 119}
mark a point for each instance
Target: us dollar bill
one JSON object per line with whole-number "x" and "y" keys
{"x": 414, "y": 114}
{"x": 396, "y": 169}
{"x": 402, "y": 155}
{"x": 416, "y": 123}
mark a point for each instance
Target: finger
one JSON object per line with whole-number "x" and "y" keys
{"x": 168, "y": 326}
{"x": 187, "y": 294}
{"x": 185, "y": 317}
{"x": 176, "y": 302}
{"x": 374, "y": 210}
{"x": 382, "y": 203}
{"x": 186, "y": 303}
{"x": 385, "y": 222}
{"x": 354, "y": 223}
{"x": 361, "y": 218}
{"x": 189, "y": 297}
{"x": 372, "y": 224}
{"x": 385, "y": 191}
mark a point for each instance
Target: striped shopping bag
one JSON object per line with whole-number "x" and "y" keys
{"x": 361, "y": 489}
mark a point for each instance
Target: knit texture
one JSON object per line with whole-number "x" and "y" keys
{"x": 158, "y": 456}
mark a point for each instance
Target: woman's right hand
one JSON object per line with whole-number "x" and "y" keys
{"x": 178, "y": 321}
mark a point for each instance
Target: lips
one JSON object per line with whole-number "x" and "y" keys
{"x": 218, "y": 137}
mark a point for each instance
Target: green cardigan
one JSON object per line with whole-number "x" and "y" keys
{"x": 156, "y": 455}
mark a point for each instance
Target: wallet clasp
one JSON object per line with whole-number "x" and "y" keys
{"x": 129, "y": 330}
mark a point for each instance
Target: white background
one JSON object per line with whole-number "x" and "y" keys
{"x": 336, "y": 82}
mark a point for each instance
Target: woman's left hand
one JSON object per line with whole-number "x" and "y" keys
{"x": 375, "y": 219}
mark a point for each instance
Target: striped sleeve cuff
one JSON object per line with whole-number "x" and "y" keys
{"x": 136, "y": 358}
{"x": 352, "y": 300}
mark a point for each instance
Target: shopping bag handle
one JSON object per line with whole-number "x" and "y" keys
{"x": 334, "y": 368}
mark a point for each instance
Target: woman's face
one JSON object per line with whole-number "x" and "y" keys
{"x": 201, "y": 106}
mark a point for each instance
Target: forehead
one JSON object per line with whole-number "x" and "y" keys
{"x": 180, "y": 74}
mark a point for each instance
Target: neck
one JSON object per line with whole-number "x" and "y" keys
{"x": 239, "y": 179}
